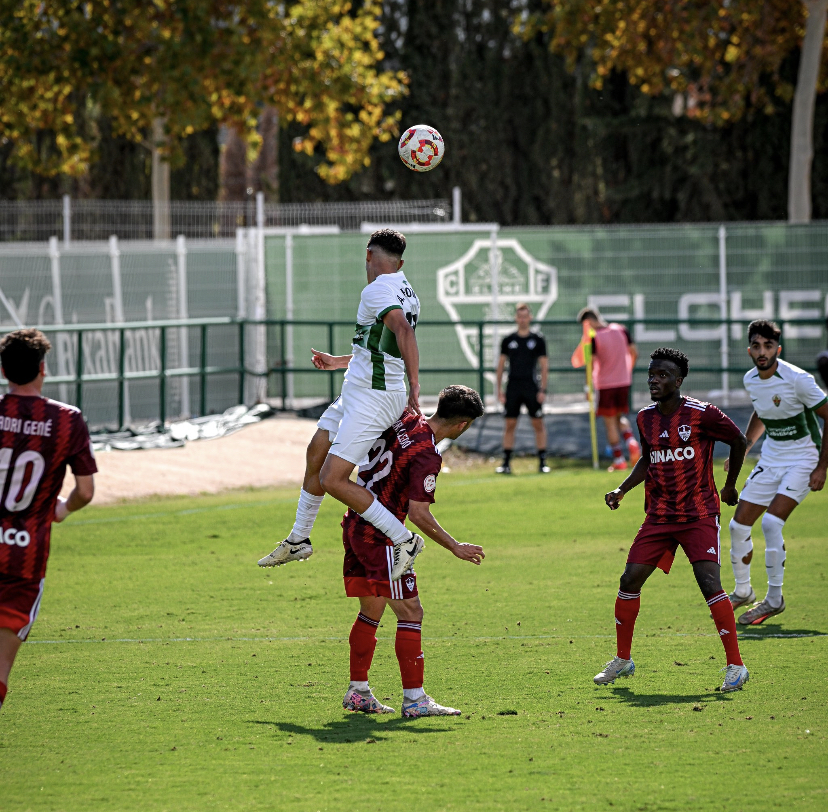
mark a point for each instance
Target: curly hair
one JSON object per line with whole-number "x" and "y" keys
{"x": 765, "y": 329}
{"x": 21, "y": 353}
{"x": 459, "y": 402}
{"x": 389, "y": 240}
{"x": 675, "y": 356}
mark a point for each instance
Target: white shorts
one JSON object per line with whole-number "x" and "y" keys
{"x": 357, "y": 417}
{"x": 765, "y": 482}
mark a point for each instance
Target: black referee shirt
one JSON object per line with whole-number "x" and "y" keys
{"x": 523, "y": 353}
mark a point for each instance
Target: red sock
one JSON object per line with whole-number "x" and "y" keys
{"x": 725, "y": 620}
{"x": 3, "y": 689}
{"x": 627, "y": 605}
{"x": 627, "y": 435}
{"x": 363, "y": 642}
{"x": 409, "y": 649}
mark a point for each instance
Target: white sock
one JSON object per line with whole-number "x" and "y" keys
{"x": 360, "y": 686}
{"x": 412, "y": 694}
{"x": 774, "y": 557}
{"x": 306, "y": 512}
{"x": 741, "y": 551}
{"x": 384, "y": 520}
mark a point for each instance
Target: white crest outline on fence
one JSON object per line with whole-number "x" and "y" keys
{"x": 537, "y": 284}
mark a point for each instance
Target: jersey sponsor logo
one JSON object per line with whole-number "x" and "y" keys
{"x": 673, "y": 454}
{"x": 685, "y": 432}
{"x": 13, "y": 536}
{"x": 665, "y": 434}
{"x": 430, "y": 483}
{"x": 776, "y": 400}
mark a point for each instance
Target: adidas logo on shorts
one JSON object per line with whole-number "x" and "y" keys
{"x": 711, "y": 551}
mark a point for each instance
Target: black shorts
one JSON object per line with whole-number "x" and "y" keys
{"x": 523, "y": 393}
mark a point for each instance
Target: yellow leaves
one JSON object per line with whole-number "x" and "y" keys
{"x": 732, "y": 53}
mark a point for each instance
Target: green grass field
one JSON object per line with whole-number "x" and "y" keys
{"x": 167, "y": 672}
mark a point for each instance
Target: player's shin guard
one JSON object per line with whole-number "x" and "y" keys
{"x": 306, "y": 512}
{"x": 725, "y": 620}
{"x": 384, "y": 520}
{"x": 363, "y": 642}
{"x": 408, "y": 647}
{"x": 741, "y": 552}
{"x": 627, "y": 605}
{"x": 774, "y": 555}
{"x": 3, "y": 689}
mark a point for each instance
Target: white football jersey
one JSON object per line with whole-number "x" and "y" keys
{"x": 376, "y": 361}
{"x": 785, "y": 403}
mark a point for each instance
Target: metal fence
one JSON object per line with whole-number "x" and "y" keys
{"x": 75, "y": 220}
{"x": 221, "y": 371}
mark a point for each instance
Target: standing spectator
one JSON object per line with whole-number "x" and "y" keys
{"x": 614, "y": 356}
{"x": 526, "y": 351}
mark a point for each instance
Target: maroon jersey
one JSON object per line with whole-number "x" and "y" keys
{"x": 402, "y": 464}
{"x": 679, "y": 448}
{"x": 38, "y": 438}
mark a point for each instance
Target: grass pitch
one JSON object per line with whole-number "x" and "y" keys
{"x": 167, "y": 672}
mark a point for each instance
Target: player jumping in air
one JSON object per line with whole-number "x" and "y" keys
{"x": 402, "y": 471}
{"x": 677, "y": 438}
{"x": 38, "y": 439}
{"x": 786, "y": 403}
{"x": 373, "y": 397}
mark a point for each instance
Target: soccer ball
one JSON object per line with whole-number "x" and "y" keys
{"x": 421, "y": 148}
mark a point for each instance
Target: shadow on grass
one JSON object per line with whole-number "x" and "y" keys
{"x": 629, "y": 697}
{"x": 356, "y": 727}
{"x": 774, "y": 631}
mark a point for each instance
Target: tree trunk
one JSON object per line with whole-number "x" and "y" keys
{"x": 802, "y": 124}
{"x": 233, "y": 167}
{"x": 264, "y": 174}
{"x": 161, "y": 183}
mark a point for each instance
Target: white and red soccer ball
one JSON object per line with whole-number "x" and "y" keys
{"x": 421, "y": 148}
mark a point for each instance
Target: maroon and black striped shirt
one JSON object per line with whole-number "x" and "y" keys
{"x": 38, "y": 439}
{"x": 679, "y": 486}
{"x": 403, "y": 464}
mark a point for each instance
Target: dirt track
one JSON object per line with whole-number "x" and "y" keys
{"x": 262, "y": 455}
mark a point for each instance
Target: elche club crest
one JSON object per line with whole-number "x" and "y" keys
{"x": 684, "y": 432}
{"x": 776, "y": 400}
{"x": 466, "y": 291}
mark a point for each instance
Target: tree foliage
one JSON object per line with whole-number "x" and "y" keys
{"x": 192, "y": 63}
{"x": 724, "y": 58}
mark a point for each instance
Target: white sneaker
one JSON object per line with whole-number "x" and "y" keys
{"x": 735, "y": 677}
{"x": 286, "y": 552}
{"x": 404, "y": 555}
{"x": 616, "y": 667}
{"x": 426, "y": 706}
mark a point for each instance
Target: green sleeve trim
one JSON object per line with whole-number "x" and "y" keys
{"x": 820, "y": 404}
{"x": 388, "y": 310}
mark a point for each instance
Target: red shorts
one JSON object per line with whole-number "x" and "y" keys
{"x": 19, "y": 603}
{"x": 612, "y": 402}
{"x": 656, "y": 544}
{"x": 367, "y": 571}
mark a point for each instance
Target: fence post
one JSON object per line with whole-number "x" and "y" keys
{"x": 79, "y": 373}
{"x": 261, "y": 303}
{"x": 481, "y": 377}
{"x": 289, "y": 314}
{"x": 283, "y": 362}
{"x": 456, "y": 206}
{"x": 57, "y": 306}
{"x": 121, "y": 381}
{"x": 67, "y": 220}
{"x": 241, "y": 277}
{"x": 183, "y": 332}
{"x": 118, "y": 301}
{"x": 725, "y": 347}
{"x": 494, "y": 267}
{"x": 331, "y": 392}
{"x": 242, "y": 327}
{"x": 203, "y": 355}
{"x": 162, "y": 381}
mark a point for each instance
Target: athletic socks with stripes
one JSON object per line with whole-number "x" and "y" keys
{"x": 363, "y": 642}
{"x": 306, "y": 512}
{"x": 627, "y": 605}
{"x": 725, "y": 620}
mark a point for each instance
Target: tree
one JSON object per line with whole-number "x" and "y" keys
{"x": 163, "y": 70}
{"x": 718, "y": 59}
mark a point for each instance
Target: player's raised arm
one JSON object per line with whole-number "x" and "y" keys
{"x": 79, "y": 497}
{"x": 636, "y": 477}
{"x": 395, "y": 321}
{"x": 755, "y": 429}
{"x": 325, "y": 361}
{"x": 420, "y": 515}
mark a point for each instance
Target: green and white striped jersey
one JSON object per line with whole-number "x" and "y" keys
{"x": 785, "y": 403}
{"x": 376, "y": 361}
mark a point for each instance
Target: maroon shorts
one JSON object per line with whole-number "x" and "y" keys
{"x": 367, "y": 571}
{"x": 19, "y": 603}
{"x": 656, "y": 544}
{"x": 612, "y": 402}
